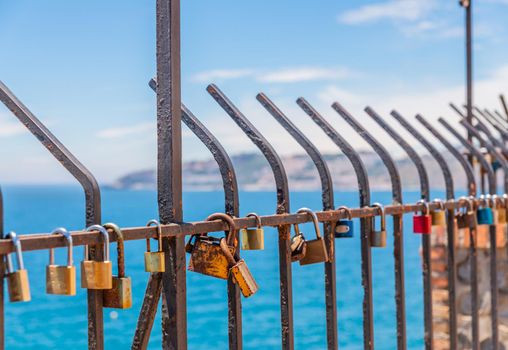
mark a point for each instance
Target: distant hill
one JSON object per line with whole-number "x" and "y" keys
{"x": 254, "y": 174}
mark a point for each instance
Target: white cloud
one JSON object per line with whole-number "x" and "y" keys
{"x": 408, "y": 10}
{"x": 280, "y": 76}
{"x": 9, "y": 126}
{"x": 122, "y": 131}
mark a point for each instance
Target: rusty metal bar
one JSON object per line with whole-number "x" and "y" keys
{"x": 472, "y": 191}
{"x": 232, "y": 207}
{"x": 365, "y": 225}
{"x": 286, "y": 290}
{"x": 492, "y": 229}
{"x": 328, "y": 204}
{"x": 425, "y": 195}
{"x": 92, "y": 199}
{"x": 450, "y": 227}
{"x": 505, "y": 106}
{"x": 44, "y": 241}
{"x": 502, "y": 119}
{"x": 398, "y": 242}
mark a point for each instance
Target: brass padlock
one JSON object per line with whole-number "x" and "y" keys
{"x": 97, "y": 274}
{"x": 253, "y": 238}
{"x": 61, "y": 279}
{"x": 466, "y": 216}
{"x": 155, "y": 261}
{"x": 316, "y": 251}
{"x": 499, "y": 210}
{"x": 239, "y": 272}
{"x": 17, "y": 281}
{"x": 438, "y": 216}
{"x": 207, "y": 257}
{"x": 378, "y": 237}
{"x": 120, "y": 295}
{"x": 501, "y": 216}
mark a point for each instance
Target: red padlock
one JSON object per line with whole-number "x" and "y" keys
{"x": 423, "y": 223}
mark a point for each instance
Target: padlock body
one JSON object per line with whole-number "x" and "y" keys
{"x": 120, "y": 295}
{"x": 61, "y": 280}
{"x": 438, "y": 218}
{"x": 378, "y": 239}
{"x": 96, "y": 274}
{"x": 155, "y": 262}
{"x": 208, "y": 258}
{"x": 501, "y": 216}
{"x": 467, "y": 220}
{"x": 18, "y": 286}
{"x": 422, "y": 224}
{"x": 344, "y": 229}
{"x": 315, "y": 252}
{"x": 243, "y": 278}
{"x": 485, "y": 216}
{"x": 253, "y": 239}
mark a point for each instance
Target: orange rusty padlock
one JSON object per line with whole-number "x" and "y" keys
{"x": 207, "y": 256}
{"x": 239, "y": 272}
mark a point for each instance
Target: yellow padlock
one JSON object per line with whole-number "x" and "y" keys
{"x": 120, "y": 295}
{"x": 17, "y": 281}
{"x": 253, "y": 238}
{"x": 438, "y": 216}
{"x": 155, "y": 261}
{"x": 61, "y": 279}
{"x": 97, "y": 274}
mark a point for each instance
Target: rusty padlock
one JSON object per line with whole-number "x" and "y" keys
{"x": 253, "y": 238}
{"x": 316, "y": 251}
{"x": 61, "y": 279}
{"x": 298, "y": 246}
{"x": 438, "y": 216}
{"x": 207, "y": 257}
{"x": 378, "y": 237}
{"x": 155, "y": 261}
{"x": 239, "y": 272}
{"x": 422, "y": 223}
{"x": 466, "y": 216}
{"x": 17, "y": 281}
{"x": 120, "y": 295}
{"x": 97, "y": 274}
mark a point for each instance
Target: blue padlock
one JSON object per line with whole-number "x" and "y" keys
{"x": 344, "y": 227}
{"x": 484, "y": 215}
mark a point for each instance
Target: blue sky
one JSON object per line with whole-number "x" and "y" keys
{"x": 83, "y": 66}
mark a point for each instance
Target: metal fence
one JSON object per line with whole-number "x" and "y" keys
{"x": 490, "y": 130}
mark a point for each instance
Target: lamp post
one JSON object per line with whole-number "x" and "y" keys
{"x": 467, "y": 5}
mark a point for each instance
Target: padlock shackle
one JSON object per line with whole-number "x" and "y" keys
{"x": 347, "y": 211}
{"x": 258, "y": 219}
{"x": 426, "y": 206}
{"x": 382, "y": 214}
{"x": 469, "y": 203}
{"x": 159, "y": 235}
{"x": 440, "y": 203}
{"x": 119, "y": 247}
{"x": 68, "y": 241}
{"x": 104, "y": 233}
{"x": 315, "y": 220}
{"x": 17, "y": 245}
{"x": 231, "y": 235}
{"x": 225, "y": 249}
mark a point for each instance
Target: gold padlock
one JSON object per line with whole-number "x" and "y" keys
{"x": 61, "y": 279}
{"x": 499, "y": 210}
{"x": 207, "y": 257}
{"x": 502, "y": 217}
{"x": 155, "y": 261}
{"x": 378, "y": 237}
{"x": 253, "y": 238}
{"x": 316, "y": 251}
{"x": 97, "y": 274}
{"x": 438, "y": 216}
{"x": 120, "y": 295}
{"x": 239, "y": 272}
{"x": 17, "y": 281}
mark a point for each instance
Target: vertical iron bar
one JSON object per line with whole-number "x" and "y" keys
{"x": 472, "y": 191}
{"x": 492, "y": 229}
{"x": 425, "y": 195}
{"x": 169, "y": 172}
{"x": 398, "y": 242}
{"x": 450, "y": 227}
{"x": 505, "y": 106}
{"x": 365, "y": 224}
{"x": 328, "y": 204}
{"x": 286, "y": 291}
{"x": 92, "y": 200}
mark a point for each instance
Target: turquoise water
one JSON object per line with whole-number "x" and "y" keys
{"x": 55, "y": 322}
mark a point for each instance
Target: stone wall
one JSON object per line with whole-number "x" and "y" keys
{"x": 440, "y": 284}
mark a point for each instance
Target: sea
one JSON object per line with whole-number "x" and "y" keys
{"x": 60, "y": 322}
